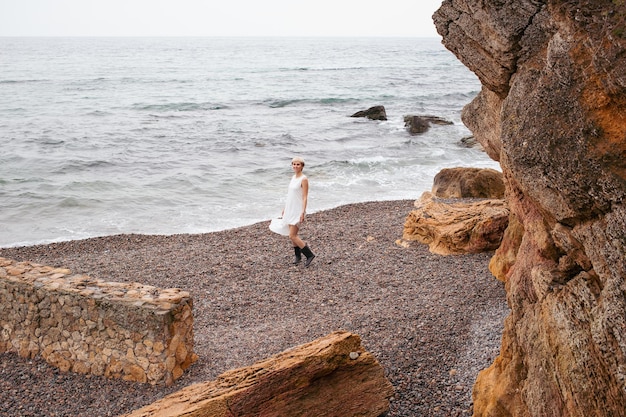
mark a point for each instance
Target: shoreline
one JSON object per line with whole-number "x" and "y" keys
{"x": 250, "y": 223}
{"x": 432, "y": 322}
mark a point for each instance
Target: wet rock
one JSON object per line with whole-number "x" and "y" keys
{"x": 373, "y": 113}
{"x": 420, "y": 124}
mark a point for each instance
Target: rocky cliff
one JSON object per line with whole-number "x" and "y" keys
{"x": 552, "y": 110}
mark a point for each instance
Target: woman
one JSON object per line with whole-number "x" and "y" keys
{"x": 295, "y": 210}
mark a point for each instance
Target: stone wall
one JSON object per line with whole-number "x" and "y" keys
{"x": 77, "y": 323}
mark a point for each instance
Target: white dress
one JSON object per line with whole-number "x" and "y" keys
{"x": 293, "y": 205}
{"x": 293, "y": 208}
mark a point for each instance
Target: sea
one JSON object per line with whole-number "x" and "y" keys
{"x": 106, "y": 136}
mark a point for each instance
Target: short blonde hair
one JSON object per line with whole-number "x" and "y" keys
{"x": 298, "y": 159}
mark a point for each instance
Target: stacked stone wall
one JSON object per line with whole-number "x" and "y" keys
{"x": 90, "y": 326}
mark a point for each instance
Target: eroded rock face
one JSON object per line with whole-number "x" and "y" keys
{"x": 553, "y": 112}
{"x": 333, "y": 376}
{"x": 456, "y": 226}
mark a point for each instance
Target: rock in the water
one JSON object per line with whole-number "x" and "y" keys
{"x": 416, "y": 125}
{"x": 468, "y": 183}
{"x": 333, "y": 376}
{"x": 456, "y": 226}
{"x": 373, "y": 113}
{"x": 552, "y": 110}
{"x": 471, "y": 142}
{"x": 436, "y": 120}
{"x": 420, "y": 124}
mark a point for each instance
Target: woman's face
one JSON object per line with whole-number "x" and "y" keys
{"x": 296, "y": 166}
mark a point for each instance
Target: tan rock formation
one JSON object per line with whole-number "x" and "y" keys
{"x": 504, "y": 259}
{"x": 331, "y": 376}
{"x": 552, "y": 110}
{"x": 464, "y": 182}
{"x": 456, "y": 226}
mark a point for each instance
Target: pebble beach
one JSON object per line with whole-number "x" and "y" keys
{"x": 433, "y": 322}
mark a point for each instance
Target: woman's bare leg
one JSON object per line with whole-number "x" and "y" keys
{"x": 293, "y": 235}
{"x": 295, "y": 239}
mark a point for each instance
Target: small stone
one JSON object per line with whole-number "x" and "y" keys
{"x": 135, "y": 373}
{"x": 158, "y": 347}
{"x": 177, "y": 372}
{"x": 354, "y": 355}
{"x": 143, "y": 362}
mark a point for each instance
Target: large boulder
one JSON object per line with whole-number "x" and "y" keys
{"x": 552, "y": 110}
{"x": 468, "y": 183}
{"x": 456, "y": 226}
{"x": 333, "y": 376}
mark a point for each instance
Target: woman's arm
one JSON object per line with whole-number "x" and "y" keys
{"x": 305, "y": 196}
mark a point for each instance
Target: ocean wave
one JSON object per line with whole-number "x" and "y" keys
{"x": 369, "y": 160}
{"x": 337, "y": 100}
{"x": 149, "y": 81}
{"x": 99, "y": 113}
{"x": 79, "y": 166}
{"x": 274, "y": 104}
{"x": 179, "y": 107}
{"x": 89, "y": 186}
{"x": 23, "y": 81}
{"x": 322, "y": 69}
{"x": 354, "y": 165}
{"x": 469, "y": 95}
{"x": 343, "y": 69}
{"x": 71, "y": 202}
{"x": 51, "y": 142}
{"x": 294, "y": 69}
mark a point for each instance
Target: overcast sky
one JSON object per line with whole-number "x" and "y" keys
{"x": 217, "y": 17}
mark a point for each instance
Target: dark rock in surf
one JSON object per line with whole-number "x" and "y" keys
{"x": 373, "y": 113}
{"x": 471, "y": 142}
{"x": 416, "y": 124}
{"x": 420, "y": 124}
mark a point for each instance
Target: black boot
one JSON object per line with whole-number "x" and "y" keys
{"x": 298, "y": 257}
{"x": 309, "y": 255}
